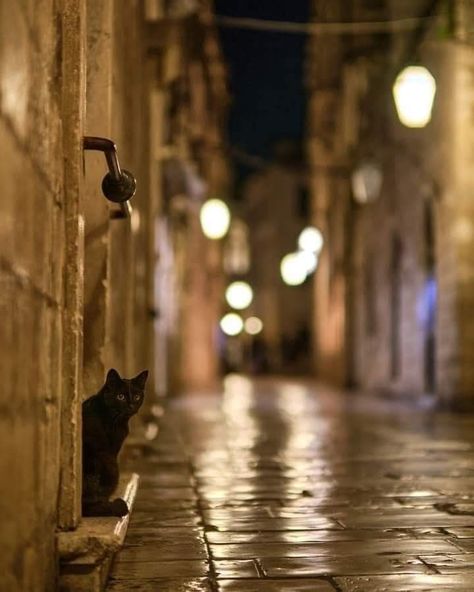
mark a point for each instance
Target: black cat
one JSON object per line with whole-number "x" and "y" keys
{"x": 104, "y": 428}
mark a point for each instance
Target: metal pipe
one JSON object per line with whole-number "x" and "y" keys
{"x": 119, "y": 185}
{"x": 125, "y": 211}
{"x": 110, "y": 151}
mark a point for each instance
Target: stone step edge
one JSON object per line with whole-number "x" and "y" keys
{"x": 86, "y": 553}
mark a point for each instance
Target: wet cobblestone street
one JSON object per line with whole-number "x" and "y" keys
{"x": 284, "y": 486}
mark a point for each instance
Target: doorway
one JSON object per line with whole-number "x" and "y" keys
{"x": 395, "y": 306}
{"x": 429, "y": 301}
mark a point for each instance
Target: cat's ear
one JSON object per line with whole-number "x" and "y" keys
{"x": 140, "y": 379}
{"x": 113, "y": 377}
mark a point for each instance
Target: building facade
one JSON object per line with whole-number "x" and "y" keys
{"x": 396, "y": 282}
{"x": 78, "y": 293}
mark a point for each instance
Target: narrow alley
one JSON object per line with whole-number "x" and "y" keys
{"x": 209, "y": 210}
{"x": 286, "y": 486}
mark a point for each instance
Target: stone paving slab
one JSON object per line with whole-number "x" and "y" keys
{"x": 281, "y": 486}
{"x": 148, "y": 504}
{"x": 461, "y": 532}
{"x": 236, "y": 568}
{"x": 404, "y": 519}
{"x": 320, "y": 536}
{"x": 161, "y": 585}
{"x": 334, "y": 549}
{"x": 142, "y": 537}
{"x": 465, "y": 544}
{"x": 406, "y": 583}
{"x": 274, "y": 524}
{"x": 146, "y": 570}
{"x": 165, "y": 479}
{"x": 274, "y": 586}
{"x": 170, "y": 493}
{"x": 263, "y": 512}
{"x": 351, "y": 565}
{"x": 450, "y": 563}
{"x": 167, "y": 550}
{"x": 164, "y": 519}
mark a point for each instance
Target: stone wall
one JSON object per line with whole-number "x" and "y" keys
{"x": 420, "y": 343}
{"x": 449, "y": 145}
{"x": 31, "y": 289}
{"x": 198, "y": 142}
{"x": 77, "y": 287}
{"x": 49, "y": 53}
{"x": 327, "y": 185}
{"x": 404, "y": 264}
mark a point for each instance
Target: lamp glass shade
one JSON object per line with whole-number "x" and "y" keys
{"x": 215, "y": 218}
{"x": 414, "y": 92}
{"x": 367, "y": 182}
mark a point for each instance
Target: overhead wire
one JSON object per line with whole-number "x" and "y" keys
{"x": 326, "y": 28}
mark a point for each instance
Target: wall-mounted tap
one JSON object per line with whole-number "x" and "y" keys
{"x": 118, "y": 185}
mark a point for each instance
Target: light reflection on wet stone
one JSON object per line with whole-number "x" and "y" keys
{"x": 291, "y": 487}
{"x": 330, "y": 566}
{"x": 326, "y": 549}
{"x": 161, "y": 585}
{"x": 405, "y": 583}
{"x": 280, "y": 585}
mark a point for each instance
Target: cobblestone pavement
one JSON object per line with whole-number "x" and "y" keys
{"x": 283, "y": 486}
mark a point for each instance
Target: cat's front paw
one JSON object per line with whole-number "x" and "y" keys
{"x": 119, "y": 507}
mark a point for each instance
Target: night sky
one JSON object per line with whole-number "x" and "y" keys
{"x": 266, "y": 75}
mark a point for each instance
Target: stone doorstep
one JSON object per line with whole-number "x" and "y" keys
{"x": 86, "y": 554}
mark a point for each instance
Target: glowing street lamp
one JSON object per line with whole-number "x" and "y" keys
{"x": 293, "y": 269}
{"x": 253, "y": 326}
{"x": 215, "y": 218}
{"x": 414, "y": 92}
{"x": 239, "y": 295}
{"x": 311, "y": 240}
{"x": 232, "y": 324}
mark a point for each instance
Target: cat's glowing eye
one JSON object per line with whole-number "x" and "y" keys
{"x": 136, "y": 397}
{"x": 121, "y": 397}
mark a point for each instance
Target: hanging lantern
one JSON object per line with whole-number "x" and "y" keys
{"x": 367, "y": 182}
{"x": 215, "y": 218}
{"x": 414, "y": 91}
